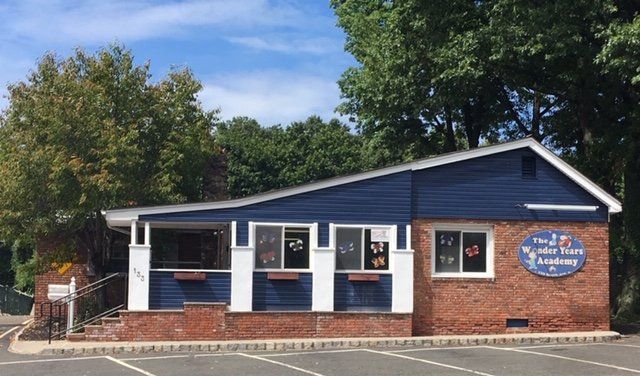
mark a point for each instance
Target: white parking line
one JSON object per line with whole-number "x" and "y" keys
{"x": 566, "y": 358}
{"x": 120, "y": 362}
{"x": 437, "y": 348}
{"x": 311, "y": 352}
{"x": 154, "y": 357}
{"x": 548, "y": 346}
{"x": 49, "y": 360}
{"x": 431, "y": 362}
{"x": 621, "y": 344}
{"x": 8, "y": 331}
{"x": 281, "y": 364}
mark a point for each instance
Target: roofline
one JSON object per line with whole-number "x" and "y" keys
{"x": 123, "y": 217}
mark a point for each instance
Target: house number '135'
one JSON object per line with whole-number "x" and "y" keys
{"x": 138, "y": 274}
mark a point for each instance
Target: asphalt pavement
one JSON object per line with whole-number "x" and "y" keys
{"x": 585, "y": 359}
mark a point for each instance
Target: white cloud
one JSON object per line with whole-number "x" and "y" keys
{"x": 272, "y": 97}
{"x": 99, "y": 21}
{"x": 290, "y": 44}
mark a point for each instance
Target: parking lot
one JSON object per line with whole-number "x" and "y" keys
{"x": 615, "y": 358}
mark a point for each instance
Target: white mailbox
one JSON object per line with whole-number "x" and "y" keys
{"x": 57, "y": 291}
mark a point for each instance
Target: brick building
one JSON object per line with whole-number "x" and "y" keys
{"x": 491, "y": 240}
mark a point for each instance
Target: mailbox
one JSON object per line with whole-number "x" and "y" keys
{"x": 57, "y": 291}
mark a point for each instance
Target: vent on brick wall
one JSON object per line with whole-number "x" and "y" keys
{"x": 517, "y": 323}
{"x": 528, "y": 167}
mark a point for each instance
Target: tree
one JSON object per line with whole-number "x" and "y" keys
{"x": 261, "y": 159}
{"x": 92, "y": 132}
{"x": 444, "y": 75}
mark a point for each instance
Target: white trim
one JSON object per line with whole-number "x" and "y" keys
{"x": 313, "y": 228}
{"x": 464, "y": 227}
{"x": 192, "y": 270}
{"x": 561, "y": 207}
{"x": 122, "y": 217}
{"x": 393, "y": 245}
{"x": 367, "y": 271}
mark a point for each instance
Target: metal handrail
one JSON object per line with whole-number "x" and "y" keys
{"x": 62, "y": 304}
{"x": 101, "y": 281}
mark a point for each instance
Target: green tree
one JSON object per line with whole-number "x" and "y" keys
{"x": 444, "y": 74}
{"x": 261, "y": 159}
{"x": 93, "y": 132}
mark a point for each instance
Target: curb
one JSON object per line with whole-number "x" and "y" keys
{"x": 95, "y": 348}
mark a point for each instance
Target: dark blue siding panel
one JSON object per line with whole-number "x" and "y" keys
{"x": 242, "y": 227}
{"x": 382, "y": 200}
{"x": 323, "y": 234}
{"x": 272, "y": 295}
{"x": 167, "y": 293}
{"x": 362, "y": 296}
{"x": 490, "y": 187}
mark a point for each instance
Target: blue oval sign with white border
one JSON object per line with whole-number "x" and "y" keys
{"x": 552, "y": 253}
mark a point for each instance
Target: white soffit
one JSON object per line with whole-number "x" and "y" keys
{"x": 123, "y": 217}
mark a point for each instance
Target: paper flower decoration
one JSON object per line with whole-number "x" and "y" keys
{"x": 346, "y": 247}
{"x": 472, "y": 251}
{"x": 377, "y": 247}
{"x": 296, "y": 246}
{"x": 378, "y": 261}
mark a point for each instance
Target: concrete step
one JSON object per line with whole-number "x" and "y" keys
{"x": 110, "y": 320}
{"x": 75, "y": 337}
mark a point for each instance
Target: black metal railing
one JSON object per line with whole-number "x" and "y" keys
{"x": 93, "y": 302}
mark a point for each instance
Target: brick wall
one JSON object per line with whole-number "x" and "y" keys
{"x": 42, "y": 281}
{"x": 579, "y": 302}
{"x": 211, "y": 321}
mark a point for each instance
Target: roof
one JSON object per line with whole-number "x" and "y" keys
{"x": 123, "y": 217}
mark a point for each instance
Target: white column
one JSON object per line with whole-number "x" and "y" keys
{"x": 71, "y": 305}
{"x": 242, "y": 265}
{"x": 402, "y": 284}
{"x": 139, "y": 263}
{"x": 324, "y": 267}
{"x": 242, "y": 259}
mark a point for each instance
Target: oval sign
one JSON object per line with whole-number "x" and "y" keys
{"x": 552, "y": 253}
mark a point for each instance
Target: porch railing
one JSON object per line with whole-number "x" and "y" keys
{"x": 85, "y": 306}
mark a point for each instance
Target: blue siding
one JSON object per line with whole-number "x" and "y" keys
{"x": 272, "y": 295}
{"x": 362, "y": 296}
{"x": 490, "y": 187}
{"x": 323, "y": 234}
{"x": 383, "y": 200}
{"x": 167, "y": 293}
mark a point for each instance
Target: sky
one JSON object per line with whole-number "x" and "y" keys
{"x": 274, "y": 60}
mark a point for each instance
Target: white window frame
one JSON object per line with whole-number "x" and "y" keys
{"x": 312, "y": 237}
{"x": 453, "y": 227}
{"x": 393, "y": 243}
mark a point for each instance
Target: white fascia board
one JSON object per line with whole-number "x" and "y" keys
{"x": 614, "y": 205}
{"x": 123, "y": 217}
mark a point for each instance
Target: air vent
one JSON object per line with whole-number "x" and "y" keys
{"x": 528, "y": 167}
{"x": 517, "y": 323}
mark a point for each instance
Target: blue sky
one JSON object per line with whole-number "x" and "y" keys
{"x": 276, "y": 61}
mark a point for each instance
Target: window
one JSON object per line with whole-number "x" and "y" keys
{"x": 361, "y": 248}
{"x": 190, "y": 248}
{"x": 465, "y": 252}
{"x": 280, "y": 247}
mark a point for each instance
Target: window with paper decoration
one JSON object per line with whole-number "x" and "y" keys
{"x": 362, "y": 248}
{"x": 461, "y": 252}
{"x": 280, "y": 247}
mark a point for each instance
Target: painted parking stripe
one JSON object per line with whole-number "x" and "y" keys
{"x": 551, "y": 346}
{"x": 8, "y": 331}
{"x": 566, "y": 358}
{"x": 437, "y": 349}
{"x": 311, "y": 352}
{"x": 120, "y": 362}
{"x": 49, "y": 360}
{"x": 431, "y": 362}
{"x": 281, "y": 364}
{"x": 621, "y": 344}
